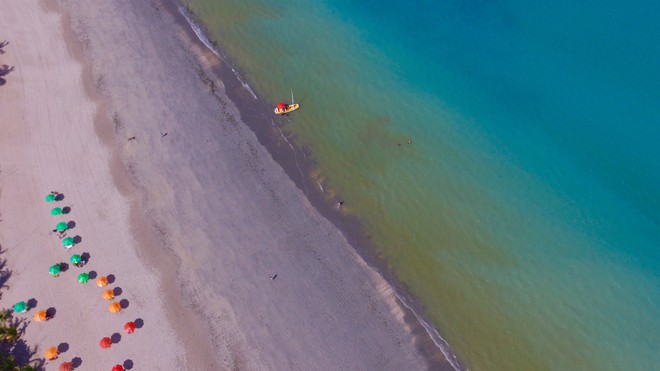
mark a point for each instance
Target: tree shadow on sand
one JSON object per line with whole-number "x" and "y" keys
{"x": 15, "y": 353}
{"x": 5, "y": 274}
{"x": 5, "y": 70}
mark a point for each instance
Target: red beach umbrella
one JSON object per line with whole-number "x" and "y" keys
{"x": 281, "y": 105}
{"x": 118, "y": 368}
{"x": 66, "y": 366}
{"x": 105, "y": 343}
{"x": 129, "y": 327}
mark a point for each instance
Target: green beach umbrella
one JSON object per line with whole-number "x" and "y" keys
{"x": 20, "y": 307}
{"x": 75, "y": 259}
{"x": 61, "y": 226}
{"x": 50, "y": 198}
{"x": 56, "y": 211}
{"x": 55, "y": 269}
{"x": 83, "y": 277}
{"x": 67, "y": 242}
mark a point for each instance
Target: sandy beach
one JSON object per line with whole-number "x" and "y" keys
{"x": 193, "y": 217}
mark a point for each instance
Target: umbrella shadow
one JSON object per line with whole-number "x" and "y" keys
{"x": 92, "y": 275}
{"x": 63, "y": 347}
{"x": 111, "y": 278}
{"x": 50, "y": 312}
{"x": 2, "y": 81}
{"x": 32, "y": 303}
{"x": 64, "y": 267}
{"x": 71, "y": 224}
{"x": 85, "y": 257}
{"x": 117, "y": 291}
{"x": 59, "y": 197}
{"x": 124, "y": 303}
{"x": 139, "y": 323}
{"x": 128, "y": 364}
{"x": 116, "y": 338}
{"x": 77, "y": 240}
{"x": 66, "y": 210}
{"x": 77, "y": 362}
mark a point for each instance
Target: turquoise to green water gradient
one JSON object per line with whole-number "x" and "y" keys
{"x": 525, "y": 214}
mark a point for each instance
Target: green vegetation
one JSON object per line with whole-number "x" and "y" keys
{"x": 15, "y": 354}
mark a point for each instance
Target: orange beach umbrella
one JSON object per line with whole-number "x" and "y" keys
{"x": 40, "y": 316}
{"x": 105, "y": 343}
{"x": 114, "y": 307}
{"x": 66, "y": 366}
{"x": 102, "y": 281}
{"x": 108, "y": 294}
{"x": 52, "y": 353}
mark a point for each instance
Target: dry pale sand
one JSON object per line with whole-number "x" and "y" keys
{"x": 48, "y": 143}
{"x": 192, "y": 224}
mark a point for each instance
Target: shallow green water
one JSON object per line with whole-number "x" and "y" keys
{"x": 520, "y": 237}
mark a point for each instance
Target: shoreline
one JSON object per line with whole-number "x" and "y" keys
{"x": 209, "y": 213}
{"x": 299, "y": 169}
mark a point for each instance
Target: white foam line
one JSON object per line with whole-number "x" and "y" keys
{"x": 438, "y": 340}
{"x": 205, "y": 40}
{"x": 295, "y": 156}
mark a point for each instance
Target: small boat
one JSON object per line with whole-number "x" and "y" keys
{"x": 283, "y": 108}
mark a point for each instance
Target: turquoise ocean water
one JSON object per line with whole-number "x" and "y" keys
{"x": 525, "y": 214}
